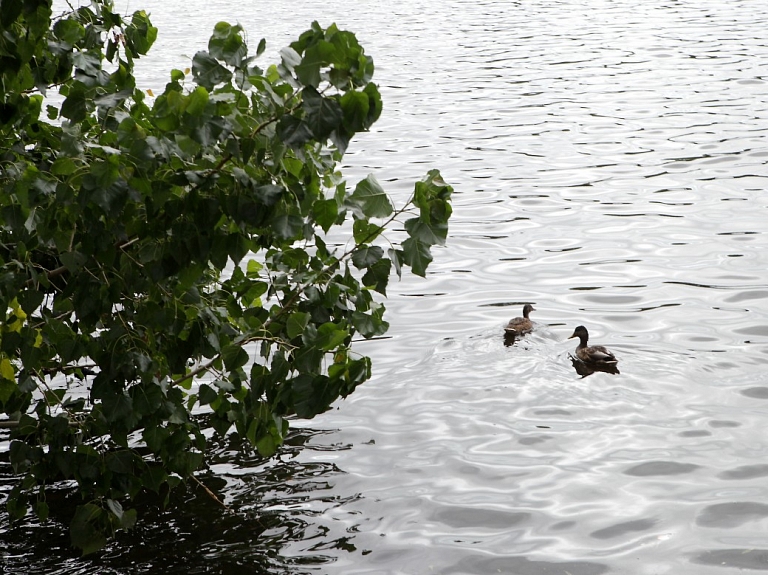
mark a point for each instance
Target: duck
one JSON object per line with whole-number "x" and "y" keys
{"x": 595, "y": 354}
{"x": 520, "y": 325}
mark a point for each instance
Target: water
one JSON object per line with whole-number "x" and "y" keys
{"x": 609, "y": 161}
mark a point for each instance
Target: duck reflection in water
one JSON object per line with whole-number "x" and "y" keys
{"x": 592, "y": 358}
{"x": 584, "y": 369}
{"x": 518, "y": 326}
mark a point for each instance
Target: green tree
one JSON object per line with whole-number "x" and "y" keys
{"x": 164, "y": 255}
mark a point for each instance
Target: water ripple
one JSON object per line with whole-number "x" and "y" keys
{"x": 609, "y": 160}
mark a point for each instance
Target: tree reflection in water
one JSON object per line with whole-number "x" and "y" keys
{"x": 269, "y": 504}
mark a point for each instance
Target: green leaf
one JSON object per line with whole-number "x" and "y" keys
{"x": 268, "y": 194}
{"x": 325, "y": 213}
{"x": 227, "y": 44}
{"x": 30, "y": 300}
{"x": 207, "y": 394}
{"x": 73, "y": 261}
{"x": 377, "y": 276}
{"x": 21, "y": 456}
{"x": 365, "y": 232}
{"x": 369, "y": 325}
{"x": 341, "y": 138}
{"x": 85, "y": 530}
{"x": 293, "y": 131}
{"x": 365, "y": 256}
{"x": 416, "y": 254}
{"x": 374, "y": 104}
{"x": 330, "y": 336}
{"x": 7, "y": 373}
{"x": 113, "y": 99}
{"x": 250, "y": 434}
{"x": 140, "y": 34}
{"x": 63, "y": 167}
{"x": 247, "y": 148}
{"x": 27, "y": 426}
{"x": 267, "y": 446}
{"x": 397, "y": 258}
{"x": 9, "y": 12}
{"x": 7, "y": 387}
{"x": 355, "y": 106}
{"x": 147, "y": 398}
{"x": 17, "y": 506}
{"x": 117, "y": 406}
{"x": 432, "y": 196}
{"x": 316, "y": 56}
{"x": 88, "y": 63}
{"x": 54, "y": 396}
{"x": 153, "y": 478}
{"x": 426, "y": 233}
{"x": 253, "y": 269}
{"x": 369, "y": 199}
{"x": 121, "y": 461}
{"x": 42, "y": 511}
{"x": 287, "y": 227}
{"x": 208, "y": 72}
{"x": 323, "y": 115}
{"x": 198, "y": 100}
{"x": 234, "y": 356}
{"x": 296, "y": 324}
{"x": 75, "y": 106}
{"x": 187, "y": 462}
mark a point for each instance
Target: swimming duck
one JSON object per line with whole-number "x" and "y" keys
{"x": 596, "y": 354}
{"x": 521, "y": 325}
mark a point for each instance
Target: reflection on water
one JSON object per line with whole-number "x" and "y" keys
{"x": 267, "y": 505}
{"x": 609, "y": 160}
{"x": 584, "y": 368}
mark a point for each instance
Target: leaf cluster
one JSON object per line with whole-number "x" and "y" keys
{"x": 163, "y": 255}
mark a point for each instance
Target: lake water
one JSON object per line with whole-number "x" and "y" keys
{"x": 609, "y": 161}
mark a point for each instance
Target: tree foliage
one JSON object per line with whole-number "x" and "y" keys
{"x": 163, "y": 255}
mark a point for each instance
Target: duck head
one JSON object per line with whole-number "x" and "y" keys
{"x": 580, "y": 332}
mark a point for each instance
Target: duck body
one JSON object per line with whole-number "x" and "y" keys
{"x": 595, "y": 354}
{"x": 520, "y": 325}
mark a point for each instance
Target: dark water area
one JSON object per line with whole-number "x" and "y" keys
{"x": 609, "y": 161}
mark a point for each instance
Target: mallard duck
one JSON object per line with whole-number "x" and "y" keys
{"x": 596, "y": 354}
{"x": 521, "y": 325}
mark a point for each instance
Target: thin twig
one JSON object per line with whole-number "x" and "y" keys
{"x": 211, "y": 494}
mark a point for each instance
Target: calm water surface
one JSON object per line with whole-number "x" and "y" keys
{"x": 609, "y": 160}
